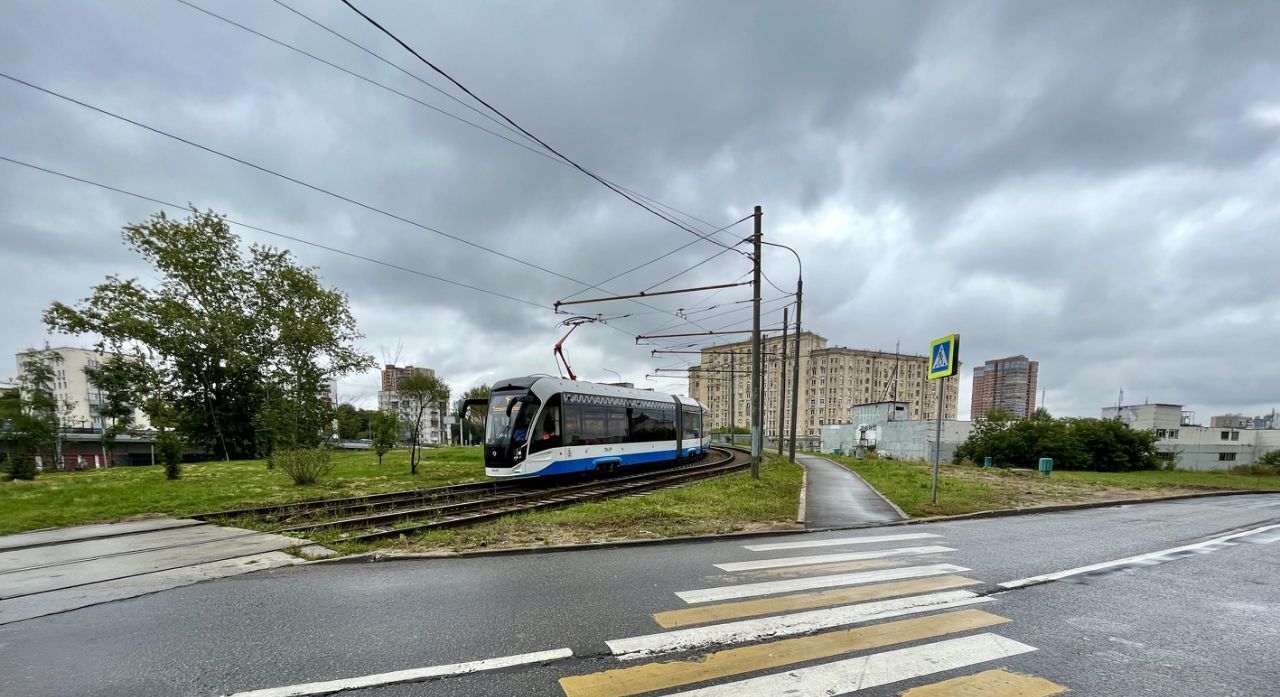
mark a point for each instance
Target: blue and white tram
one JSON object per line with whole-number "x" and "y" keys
{"x": 542, "y": 426}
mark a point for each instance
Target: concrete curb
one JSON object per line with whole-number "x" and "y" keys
{"x": 804, "y": 490}
{"x": 721, "y": 537}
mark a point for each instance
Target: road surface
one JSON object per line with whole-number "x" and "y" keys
{"x": 891, "y": 614}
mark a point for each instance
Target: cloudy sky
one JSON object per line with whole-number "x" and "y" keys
{"x": 1091, "y": 184}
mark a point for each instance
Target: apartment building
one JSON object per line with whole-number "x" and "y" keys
{"x": 431, "y": 431}
{"x": 1190, "y": 446}
{"x": 832, "y": 380}
{"x": 79, "y": 399}
{"x": 1007, "y": 383}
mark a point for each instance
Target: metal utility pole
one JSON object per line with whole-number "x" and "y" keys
{"x": 795, "y": 371}
{"x": 937, "y": 444}
{"x": 756, "y": 362}
{"x": 782, "y": 386}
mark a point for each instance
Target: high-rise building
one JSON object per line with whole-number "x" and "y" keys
{"x": 431, "y": 427}
{"x": 832, "y": 381}
{"x": 1007, "y": 383}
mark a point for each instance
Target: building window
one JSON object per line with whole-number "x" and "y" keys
{"x": 1225, "y": 435}
{"x": 1235, "y": 435}
{"x": 1226, "y": 457}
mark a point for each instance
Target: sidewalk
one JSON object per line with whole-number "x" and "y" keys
{"x": 835, "y": 497}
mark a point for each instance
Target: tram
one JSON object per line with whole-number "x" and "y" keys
{"x": 545, "y": 426}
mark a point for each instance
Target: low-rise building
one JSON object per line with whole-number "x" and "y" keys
{"x": 886, "y": 426}
{"x": 1190, "y": 446}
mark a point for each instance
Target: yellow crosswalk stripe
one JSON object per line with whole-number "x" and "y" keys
{"x": 657, "y": 676}
{"x": 990, "y": 683}
{"x": 788, "y": 571}
{"x": 840, "y": 596}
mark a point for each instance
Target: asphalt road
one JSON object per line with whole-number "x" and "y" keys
{"x": 1203, "y": 623}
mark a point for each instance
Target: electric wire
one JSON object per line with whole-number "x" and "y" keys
{"x": 273, "y": 233}
{"x": 299, "y": 182}
{"x": 520, "y": 128}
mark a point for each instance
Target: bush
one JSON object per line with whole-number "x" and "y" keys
{"x": 170, "y": 448}
{"x": 303, "y": 465}
{"x": 1267, "y": 465}
{"x": 22, "y": 466}
{"x": 1074, "y": 444}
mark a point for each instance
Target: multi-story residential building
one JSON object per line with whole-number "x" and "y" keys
{"x": 431, "y": 429}
{"x": 78, "y": 399}
{"x": 1267, "y": 420}
{"x": 1007, "y": 383}
{"x": 1189, "y": 446}
{"x": 832, "y": 380}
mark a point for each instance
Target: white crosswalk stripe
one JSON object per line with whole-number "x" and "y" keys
{"x": 744, "y": 631}
{"x": 873, "y": 670}
{"x": 829, "y": 558}
{"x": 839, "y": 541}
{"x": 748, "y": 590}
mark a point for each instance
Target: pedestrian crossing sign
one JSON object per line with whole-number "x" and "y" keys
{"x": 944, "y": 357}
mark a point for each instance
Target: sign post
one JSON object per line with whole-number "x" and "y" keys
{"x": 944, "y": 361}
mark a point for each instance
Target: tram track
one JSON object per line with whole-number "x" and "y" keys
{"x": 381, "y": 516}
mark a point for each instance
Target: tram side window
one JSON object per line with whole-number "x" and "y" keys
{"x": 547, "y": 432}
{"x": 692, "y": 426}
{"x": 596, "y": 425}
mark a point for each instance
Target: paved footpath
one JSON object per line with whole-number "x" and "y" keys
{"x": 1175, "y": 599}
{"x": 836, "y": 497}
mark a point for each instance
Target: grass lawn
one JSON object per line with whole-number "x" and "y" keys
{"x": 67, "y": 498}
{"x": 726, "y": 504}
{"x": 964, "y": 489}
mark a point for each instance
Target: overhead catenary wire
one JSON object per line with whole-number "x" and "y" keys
{"x": 492, "y": 118}
{"x": 508, "y": 119}
{"x": 293, "y": 238}
{"x": 304, "y": 184}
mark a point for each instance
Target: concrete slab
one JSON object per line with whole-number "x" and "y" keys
{"x": 37, "y": 538}
{"x": 53, "y": 602}
{"x": 834, "y": 496}
{"x": 78, "y": 573}
{"x": 70, "y": 552}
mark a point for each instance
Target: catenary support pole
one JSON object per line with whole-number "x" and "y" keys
{"x": 795, "y": 372}
{"x": 782, "y": 386}
{"x": 937, "y": 443}
{"x": 756, "y": 410}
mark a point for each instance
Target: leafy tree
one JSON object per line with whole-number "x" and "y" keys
{"x": 476, "y": 415}
{"x": 352, "y": 422}
{"x": 418, "y": 394}
{"x": 120, "y": 383}
{"x": 38, "y": 424}
{"x": 169, "y": 447}
{"x": 385, "y": 426}
{"x": 240, "y": 340}
{"x": 1270, "y": 461}
{"x": 1074, "y": 444}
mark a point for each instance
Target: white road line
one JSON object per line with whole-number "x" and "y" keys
{"x": 873, "y": 670}
{"x": 744, "y": 631}
{"x": 403, "y": 676}
{"x": 1136, "y": 559}
{"x": 838, "y": 541}
{"x": 827, "y": 558}
{"x": 749, "y": 590}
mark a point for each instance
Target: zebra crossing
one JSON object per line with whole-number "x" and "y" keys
{"x": 837, "y": 616}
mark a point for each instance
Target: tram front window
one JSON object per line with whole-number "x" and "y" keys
{"x": 507, "y": 424}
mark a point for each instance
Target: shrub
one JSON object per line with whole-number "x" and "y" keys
{"x": 170, "y": 448}
{"x": 22, "y": 466}
{"x": 303, "y": 465}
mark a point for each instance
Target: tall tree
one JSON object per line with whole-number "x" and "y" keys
{"x": 418, "y": 394}
{"x": 474, "y": 423}
{"x": 241, "y": 340}
{"x": 37, "y": 426}
{"x": 120, "y": 383}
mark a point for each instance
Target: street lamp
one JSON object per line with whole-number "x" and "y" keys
{"x": 795, "y": 371}
{"x": 614, "y": 372}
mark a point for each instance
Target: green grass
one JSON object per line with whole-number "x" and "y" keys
{"x": 726, "y": 504}
{"x": 67, "y": 498}
{"x": 966, "y": 489}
